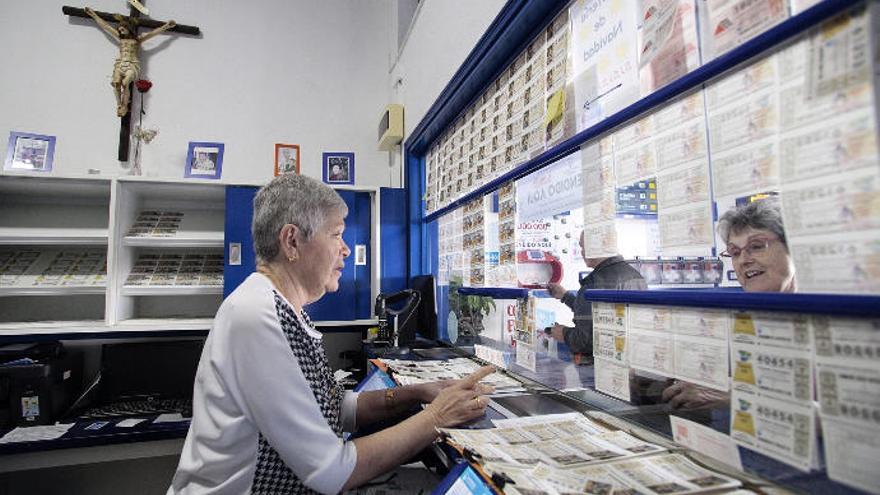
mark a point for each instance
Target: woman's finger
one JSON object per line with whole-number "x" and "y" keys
{"x": 475, "y": 377}
{"x": 485, "y": 389}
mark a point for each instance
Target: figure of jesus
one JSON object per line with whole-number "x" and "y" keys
{"x": 127, "y": 65}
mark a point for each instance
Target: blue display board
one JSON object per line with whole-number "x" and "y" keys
{"x": 639, "y": 198}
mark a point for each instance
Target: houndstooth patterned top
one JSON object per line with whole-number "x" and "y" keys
{"x": 272, "y": 475}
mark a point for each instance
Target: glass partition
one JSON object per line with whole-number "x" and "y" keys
{"x": 763, "y": 180}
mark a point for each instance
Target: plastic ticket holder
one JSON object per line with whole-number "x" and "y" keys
{"x": 535, "y": 269}
{"x": 713, "y": 270}
{"x": 651, "y": 271}
{"x": 673, "y": 271}
{"x": 693, "y": 270}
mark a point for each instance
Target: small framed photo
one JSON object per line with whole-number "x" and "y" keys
{"x": 286, "y": 159}
{"x": 29, "y": 152}
{"x": 338, "y": 168}
{"x": 204, "y": 160}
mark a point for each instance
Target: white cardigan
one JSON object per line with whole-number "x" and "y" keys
{"x": 249, "y": 382}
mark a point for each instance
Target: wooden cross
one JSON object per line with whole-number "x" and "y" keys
{"x": 125, "y": 51}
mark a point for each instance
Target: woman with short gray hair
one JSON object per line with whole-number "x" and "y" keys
{"x": 268, "y": 415}
{"x": 755, "y": 239}
{"x": 763, "y": 214}
{"x": 291, "y": 199}
{"x": 755, "y": 243}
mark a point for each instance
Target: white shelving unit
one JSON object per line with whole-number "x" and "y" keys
{"x": 167, "y": 254}
{"x": 54, "y": 237}
{"x": 53, "y": 252}
{"x": 170, "y": 290}
{"x": 67, "y": 250}
{"x": 128, "y": 223}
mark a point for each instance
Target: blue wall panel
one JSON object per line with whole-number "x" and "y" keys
{"x": 353, "y": 299}
{"x": 392, "y": 231}
{"x": 239, "y": 212}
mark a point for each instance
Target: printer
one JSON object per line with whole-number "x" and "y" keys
{"x": 38, "y": 381}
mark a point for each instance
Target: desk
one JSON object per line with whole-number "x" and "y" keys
{"x": 81, "y": 446}
{"x": 559, "y": 384}
{"x": 90, "y": 455}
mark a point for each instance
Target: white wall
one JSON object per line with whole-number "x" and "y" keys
{"x": 442, "y": 35}
{"x": 309, "y": 72}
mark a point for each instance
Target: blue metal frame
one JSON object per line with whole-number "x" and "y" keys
{"x": 731, "y": 298}
{"x": 392, "y": 238}
{"x": 826, "y": 304}
{"x": 494, "y": 292}
{"x": 772, "y": 38}
{"x": 504, "y": 292}
{"x": 415, "y": 191}
{"x": 518, "y": 22}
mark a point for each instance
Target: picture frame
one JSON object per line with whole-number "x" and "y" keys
{"x": 28, "y": 152}
{"x": 338, "y": 167}
{"x": 204, "y": 160}
{"x": 286, "y": 159}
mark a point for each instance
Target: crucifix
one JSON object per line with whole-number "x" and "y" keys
{"x": 127, "y": 66}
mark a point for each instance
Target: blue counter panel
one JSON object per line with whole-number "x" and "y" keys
{"x": 828, "y": 304}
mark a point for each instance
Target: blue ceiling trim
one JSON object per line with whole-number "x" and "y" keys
{"x": 772, "y": 38}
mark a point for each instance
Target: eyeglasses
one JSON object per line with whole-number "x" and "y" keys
{"x": 755, "y": 247}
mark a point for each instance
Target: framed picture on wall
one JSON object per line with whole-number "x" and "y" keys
{"x": 338, "y": 168}
{"x": 204, "y": 160}
{"x": 29, "y": 152}
{"x": 286, "y": 159}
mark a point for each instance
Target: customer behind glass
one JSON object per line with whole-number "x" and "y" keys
{"x": 268, "y": 415}
{"x": 608, "y": 273}
{"x": 756, "y": 245}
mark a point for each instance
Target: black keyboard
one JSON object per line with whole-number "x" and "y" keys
{"x": 140, "y": 407}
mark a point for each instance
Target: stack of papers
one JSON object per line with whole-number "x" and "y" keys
{"x": 569, "y": 453}
{"x": 411, "y": 372}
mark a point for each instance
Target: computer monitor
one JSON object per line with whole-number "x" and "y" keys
{"x": 424, "y": 317}
{"x": 375, "y": 380}
{"x": 463, "y": 480}
{"x": 164, "y": 369}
